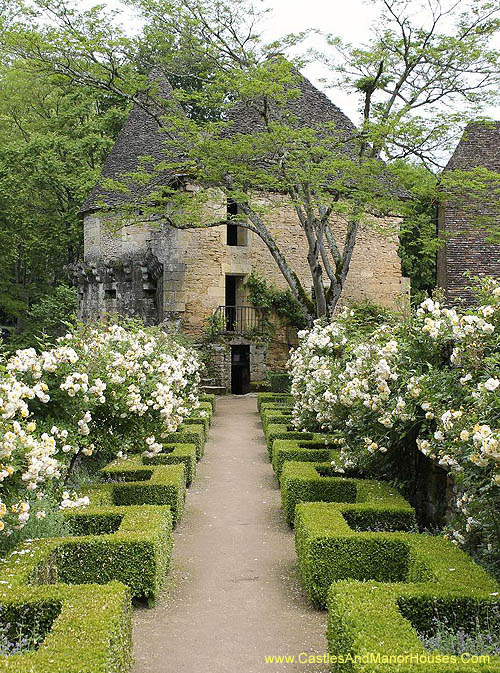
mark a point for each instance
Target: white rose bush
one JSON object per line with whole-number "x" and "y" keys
{"x": 100, "y": 391}
{"x": 429, "y": 383}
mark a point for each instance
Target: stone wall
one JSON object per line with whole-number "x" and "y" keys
{"x": 179, "y": 276}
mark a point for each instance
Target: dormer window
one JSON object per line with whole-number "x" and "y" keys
{"x": 236, "y": 235}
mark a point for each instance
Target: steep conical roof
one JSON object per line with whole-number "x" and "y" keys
{"x": 479, "y": 146}
{"x": 311, "y": 108}
{"x": 140, "y": 136}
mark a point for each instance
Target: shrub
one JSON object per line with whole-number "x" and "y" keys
{"x": 208, "y": 397}
{"x": 137, "y": 484}
{"x": 194, "y": 434}
{"x": 302, "y": 451}
{"x": 276, "y": 431}
{"x": 173, "y": 454}
{"x": 92, "y": 632}
{"x": 101, "y": 387}
{"x": 318, "y": 482}
{"x": 428, "y": 384}
{"x": 330, "y": 546}
{"x": 130, "y": 544}
{"x": 273, "y": 397}
{"x": 280, "y": 382}
{"x": 276, "y": 416}
{"x": 384, "y": 619}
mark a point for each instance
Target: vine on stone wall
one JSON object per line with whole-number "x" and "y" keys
{"x": 281, "y": 302}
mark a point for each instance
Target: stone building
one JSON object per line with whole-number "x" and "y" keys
{"x": 164, "y": 275}
{"x": 465, "y": 248}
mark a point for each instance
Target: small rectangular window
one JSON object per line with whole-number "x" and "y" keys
{"x": 109, "y": 293}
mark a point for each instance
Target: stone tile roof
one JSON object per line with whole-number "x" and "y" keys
{"x": 479, "y": 146}
{"x": 311, "y": 108}
{"x": 139, "y": 137}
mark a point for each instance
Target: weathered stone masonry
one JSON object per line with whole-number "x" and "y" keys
{"x": 152, "y": 271}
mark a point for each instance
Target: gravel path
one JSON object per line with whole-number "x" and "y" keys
{"x": 233, "y": 595}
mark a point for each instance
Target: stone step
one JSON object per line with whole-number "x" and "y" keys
{"x": 214, "y": 390}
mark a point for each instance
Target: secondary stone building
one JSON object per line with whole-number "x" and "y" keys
{"x": 164, "y": 275}
{"x": 465, "y": 246}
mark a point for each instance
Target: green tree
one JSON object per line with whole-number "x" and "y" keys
{"x": 419, "y": 63}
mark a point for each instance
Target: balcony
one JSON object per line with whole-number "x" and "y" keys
{"x": 240, "y": 319}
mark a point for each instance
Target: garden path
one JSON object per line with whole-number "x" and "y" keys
{"x": 233, "y": 595}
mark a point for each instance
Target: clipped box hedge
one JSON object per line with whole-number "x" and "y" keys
{"x": 273, "y": 397}
{"x": 276, "y": 431}
{"x": 210, "y": 398}
{"x": 206, "y": 408}
{"x": 331, "y": 545}
{"x": 175, "y": 454}
{"x": 196, "y": 419}
{"x": 137, "y": 484}
{"x": 302, "y": 482}
{"x": 130, "y": 544}
{"x": 188, "y": 434}
{"x": 369, "y": 621}
{"x": 305, "y": 450}
{"x": 92, "y": 631}
{"x": 276, "y": 416}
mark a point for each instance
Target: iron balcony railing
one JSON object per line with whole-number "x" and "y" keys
{"x": 240, "y": 319}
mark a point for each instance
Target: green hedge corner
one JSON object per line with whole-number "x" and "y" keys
{"x": 280, "y": 398}
{"x": 304, "y": 482}
{"x": 174, "y": 454}
{"x": 91, "y": 632}
{"x": 306, "y": 450}
{"x": 336, "y": 541}
{"x": 188, "y": 434}
{"x": 373, "y": 627}
{"x": 137, "y": 484}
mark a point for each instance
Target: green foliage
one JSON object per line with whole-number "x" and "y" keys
{"x": 92, "y": 633}
{"x": 275, "y": 398}
{"x": 133, "y": 483}
{"x": 281, "y": 302}
{"x": 302, "y": 451}
{"x": 333, "y": 542}
{"x": 194, "y": 434}
{"x": 386, "y": 618}
{"x": 173, "y": 454}
{"x": 48, "y": 318}
{"x": 275, "y": 415}
{"x": 280, "y": 382}
{"x": 282, "y": 431}
{"x": 418, "y": 237}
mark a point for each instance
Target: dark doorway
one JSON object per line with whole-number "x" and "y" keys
{"x": 230, "y": 303}
{"x": 240, "y": 370}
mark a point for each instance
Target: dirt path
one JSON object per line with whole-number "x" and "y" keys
{"x": 233, "y": 595}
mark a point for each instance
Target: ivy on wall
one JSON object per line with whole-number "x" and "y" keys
{"x": 281, "y": 302}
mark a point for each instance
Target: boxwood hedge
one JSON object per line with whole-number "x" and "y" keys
{"x": 210, "y": 398}
{"x": 129, "y": 544}
{"x": 331, "y": 545}
{"x": 273, "y": 397}
{"x": 276, "y": 431}
{"x": 137, "y": 484}
{"x": 173, "y": 454}
{"x": 92, "y": 632}
{"x": 304, "y": 482}
{"x": 276, "y": 416}
{"x": 373, "y": 627}
{"x": 188, "y": 434}
{"x": 302, "y": 451}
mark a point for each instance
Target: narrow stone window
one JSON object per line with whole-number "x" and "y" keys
{"x": 109, "y": 293}
{"x": 236, "y": 235}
